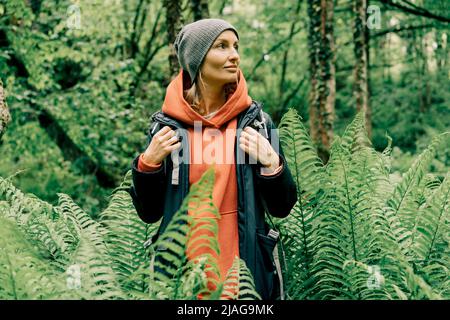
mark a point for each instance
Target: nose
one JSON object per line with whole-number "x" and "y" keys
{"x": 234, "y": 56}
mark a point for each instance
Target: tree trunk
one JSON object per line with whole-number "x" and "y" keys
{"x": 322, "y": 72}
{"x": 200, "y": 9}
{"x": 174, "y": 22}
{"x": 5, "y": 117}
{"x": 278, "y": 113}
{"x": 422, "y": 72}
{"x": 441, "y": 52}
{"x": 71, "y": 151}
{"x": 361, "y": 69}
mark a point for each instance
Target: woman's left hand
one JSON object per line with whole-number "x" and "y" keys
{"x": 259, "y": 148}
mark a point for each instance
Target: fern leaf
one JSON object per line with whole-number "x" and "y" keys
{"x": 239, "y": 283}
{"x": 170, "y": 249}
{"x": 125, "y": 238}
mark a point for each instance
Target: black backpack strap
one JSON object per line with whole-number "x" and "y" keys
{"x": 260, "y": 121}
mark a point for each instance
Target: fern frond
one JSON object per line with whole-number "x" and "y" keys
{"x": 82, "y": 223}
{"x": 433, "y": 222}
{"x": 98, "y": 280}
{"x": 400, "y": 204}
{"x": 355, "y": 135}
{"x": 125, "y": 238}
{"x": 23, "y": 205}
{"x": 40, "y": 222}
{"x": 307, "y": 171}
{"x": 171, "y": 246}
{"x": 24, "y": 274}
{"x": 239, "y": 283}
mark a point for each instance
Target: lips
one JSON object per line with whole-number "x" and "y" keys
{"x": 231, "y": 67}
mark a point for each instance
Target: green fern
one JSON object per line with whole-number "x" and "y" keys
{"x": 353, "y": 234}
{"x": 91, "y": 255}
{"x": 239, "y": 284}
{"x": 170, "y": 249}
{"x": 401, "y": 205}
{"x": 352, "y": 231}
{"x": 24, "y": 274}
{"x": 125, "y": 238}
{"x": 40, "y": 222}
{"x": 307, "y": 171}
{"x": 431, "y": 242}
{"x": 97, "y": 279}
{"x": 433, "y": 223}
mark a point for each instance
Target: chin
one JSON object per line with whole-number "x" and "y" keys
{"x": 232, "y": 77}
{"x": 225, "y": 78}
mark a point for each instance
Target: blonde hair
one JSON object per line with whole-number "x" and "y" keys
{"x": 194, "y": 97}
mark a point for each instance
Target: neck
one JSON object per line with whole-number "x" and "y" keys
{"x": 213, "y": 98}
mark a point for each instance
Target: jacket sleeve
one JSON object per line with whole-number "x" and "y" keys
{"x": 148, "y": 190}
{"x": 278, "y": 191}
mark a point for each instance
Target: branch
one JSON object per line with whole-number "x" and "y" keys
{"x": 399, "y": 29}
{"x": 274, "y": 48}
{"x": 146, "y": 63}
{"x": 293, "y": 93}
{"x": 150, "y": 52}
{"x": 415, "y": 10}
{"x": 395, "y": 29}
{"x": 143, "y": 20}
{"x": 154, "y": 33}
{"x": 70, "y": 150}
{"x": 286, "y": 52}
{"x": 222, "y": 7}
{"x": 375, "y": 66}
{"x": 409, "y": 3}
{"x": 133, "y": 42}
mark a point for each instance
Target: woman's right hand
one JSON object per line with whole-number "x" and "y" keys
{"x": 162, "y": 144}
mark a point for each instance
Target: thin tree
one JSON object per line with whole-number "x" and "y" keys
{"x": 284, "y": 67}
{"x": 361, "y": 68}
{"x": 174, "y": 22}
{"x": 5, "y": 117}
{"x": 410, "y": 8}
{"x": 322, "y": 74}
{"x": 200, "y": 9}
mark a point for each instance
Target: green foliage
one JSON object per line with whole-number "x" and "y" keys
{"x": 239, "y": 283}
{"x": 365, "y": 219}
{"x": 34, "y": 157}
{"x": 60, "y": 252}
{"x": 87, "y": 79}
{"x": 357, "y": 234}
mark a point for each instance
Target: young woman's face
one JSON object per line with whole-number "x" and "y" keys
{"x": 222, "y": 54}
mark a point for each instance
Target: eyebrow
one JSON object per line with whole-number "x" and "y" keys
{"x": 237, "y": 41}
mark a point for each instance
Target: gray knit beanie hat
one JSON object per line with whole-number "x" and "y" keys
{"x": 194, "y": 40}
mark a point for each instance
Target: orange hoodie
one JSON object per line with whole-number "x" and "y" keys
{"x": 207, "y": 149}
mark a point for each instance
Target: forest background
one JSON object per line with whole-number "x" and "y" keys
{"x": 81, "y": 79}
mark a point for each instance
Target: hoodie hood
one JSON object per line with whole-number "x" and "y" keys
{"x": 177, "y": 107}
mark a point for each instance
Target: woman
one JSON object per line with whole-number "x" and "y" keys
{"x": 207, "y": 119}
